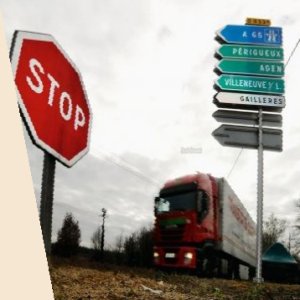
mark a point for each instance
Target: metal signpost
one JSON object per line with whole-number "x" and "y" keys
{"x": 260, "y": 197}
{"x": 251, "y": 68}
{"x": 55, "y": 109}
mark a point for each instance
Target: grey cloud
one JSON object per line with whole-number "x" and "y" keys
{"x": 288, "y": 19}
{"x": 94, "y": 183}
{"x": 97, "y": 36}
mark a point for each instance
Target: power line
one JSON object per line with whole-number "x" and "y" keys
{"x": 111, "y": 157}
{"x": 292, "y": 53}
{"x": 136, "y": 173}
{"x": 235, "y": 162}
{"x": 239, "y": 154}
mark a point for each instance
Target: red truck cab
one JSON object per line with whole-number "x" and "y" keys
{"x": 186, "y": 222}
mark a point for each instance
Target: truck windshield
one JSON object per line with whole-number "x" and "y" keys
{"x": 179, "y": 202}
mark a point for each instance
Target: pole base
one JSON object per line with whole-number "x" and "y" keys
{"x": 258, "y": 280}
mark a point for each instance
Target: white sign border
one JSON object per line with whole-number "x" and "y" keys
{"x": 15, "y": 51}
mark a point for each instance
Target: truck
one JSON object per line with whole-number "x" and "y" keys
{"x": 201, "y": 226}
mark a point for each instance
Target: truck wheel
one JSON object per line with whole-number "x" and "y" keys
{"x": 210, "y": 267}
{"x": 251, "y": 273}
{"x": 233, "y": 269}
{"x": 236, "y": 271}
{"x": 201, "y": 267}
{"x": 207, "y": 264}
{"x": 204, "y": 268}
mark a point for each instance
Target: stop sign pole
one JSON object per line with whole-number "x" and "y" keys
{"x": 54, "y": 107}
{"x": 46, "y": 205}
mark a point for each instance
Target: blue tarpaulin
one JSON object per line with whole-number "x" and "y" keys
{"x": 277, "y": 253}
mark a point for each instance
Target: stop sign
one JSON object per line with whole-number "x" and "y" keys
{"x": 51, "y": 96}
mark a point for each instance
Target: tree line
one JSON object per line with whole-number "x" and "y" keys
{"x": 132, "y": 250}
{"x": 136, "y": 249}
{"x": 280, "y": 230}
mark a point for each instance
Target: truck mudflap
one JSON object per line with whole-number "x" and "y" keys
{"x": 175, "y": 257}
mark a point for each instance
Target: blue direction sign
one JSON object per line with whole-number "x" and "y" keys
{"x": 249, "y": 34}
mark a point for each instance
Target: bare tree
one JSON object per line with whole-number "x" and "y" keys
{"x": 294, "y": 234}
{"x": 96, "y": 239}
{"x": 274, "y": 228}
{"x": 298, "y": 216}
{"x": 138, "y": 248}
{"x": 119, "y": 249}
{"x": 120, "y": 243}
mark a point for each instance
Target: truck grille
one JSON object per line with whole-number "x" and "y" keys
{"x": 172, "y": 233}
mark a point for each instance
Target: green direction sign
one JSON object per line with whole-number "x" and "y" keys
{"x": 251, "y": 67}
{"x": 251, "y": 84}
{"x": 251, "y": 52}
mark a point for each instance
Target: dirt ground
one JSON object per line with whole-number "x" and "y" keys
{"x": 82, "y": 279}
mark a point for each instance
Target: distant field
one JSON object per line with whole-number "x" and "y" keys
{"x": 80, "y": 279}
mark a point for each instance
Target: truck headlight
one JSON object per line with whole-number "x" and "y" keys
{"x": 188, "y": 256}
{"x": 155, "y": 254}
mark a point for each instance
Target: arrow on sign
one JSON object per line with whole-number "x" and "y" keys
{"x": 247, "y": 118}
{"x": 247, "y": 137}
{"x": 251, "y": 67}
{"x": 251, "y": 84}
{"x": 246, "y": 101}
{"x": 251, "y": 52}
{"x": 248, "y": 34}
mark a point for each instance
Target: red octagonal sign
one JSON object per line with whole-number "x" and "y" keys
{"x": 51, "y": 96}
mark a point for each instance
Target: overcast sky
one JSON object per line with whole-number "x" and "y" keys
{"x": 148, "y": 71}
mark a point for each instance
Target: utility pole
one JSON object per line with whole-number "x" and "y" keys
{"x": 104, "y": 211}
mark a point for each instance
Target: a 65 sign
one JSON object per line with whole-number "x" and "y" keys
{"x": 51, "y": 96}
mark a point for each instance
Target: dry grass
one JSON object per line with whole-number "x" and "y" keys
{"x": 81, "y": 280}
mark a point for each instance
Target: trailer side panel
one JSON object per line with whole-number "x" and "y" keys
{"x": 237, "y": 227}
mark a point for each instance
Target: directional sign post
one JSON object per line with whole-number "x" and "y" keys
{"x": 251, "y": 69}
